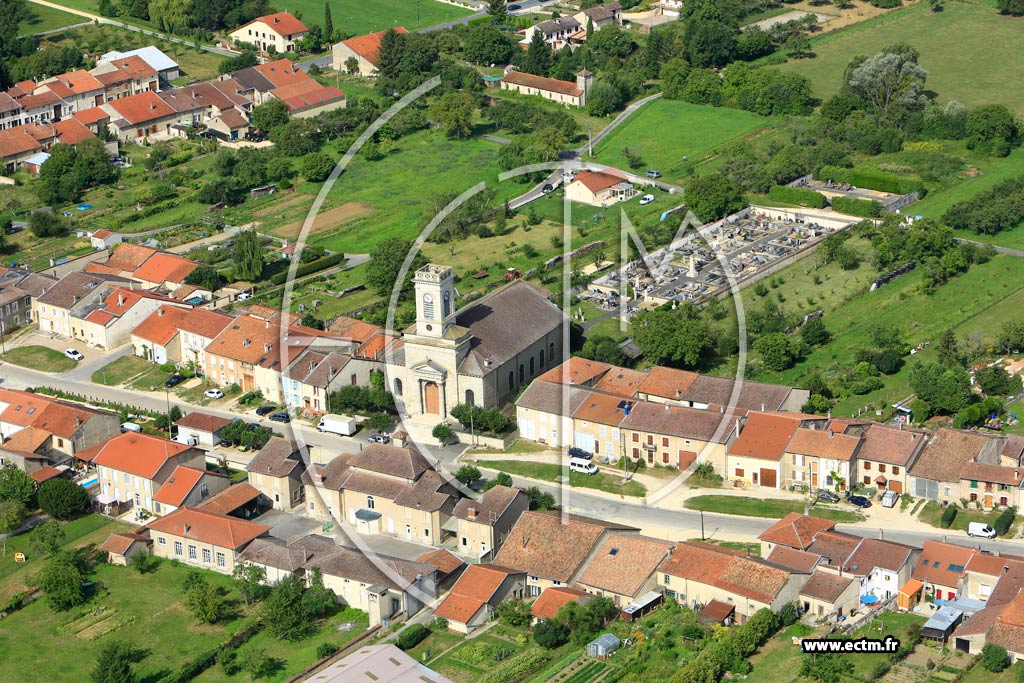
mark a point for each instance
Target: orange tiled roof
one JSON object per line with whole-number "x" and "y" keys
{"x": 283, "y": 23}
{"x": 129, "y": 257}
{"x": 161, "y": 268}
{"x": 72, "y": 131}
{"x": 595, "y": 181}
{"x": 231, "y": 498}
{"x": 45, "y": 473}
{"x": 554, "y": 598}
{"x": 443, "y": 560}
{"x": 472, "y": 591}
{"x": 209, "y": 527}
{"x": 765, "y": 436}
{"x": 795, "y": 530}
{"x": 177, "y": 487}
{"x": 824, "y": 443}
{"x": 138, "y": 454}
{"x": 282, "y": 72}
{"x": 204, "y": 422}
{"x": 548, "y": 85}
{"x": 368, "y": 45}
{"x": 576, "y": 370}
{"x": 141, "y": 108}
{"x": 942, "y": 563}
{"x": 726, "y": 569}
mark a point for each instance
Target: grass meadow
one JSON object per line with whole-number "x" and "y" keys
{"x": 42, "y": 18}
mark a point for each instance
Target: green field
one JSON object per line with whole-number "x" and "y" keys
{"x": 950, "y": 43}
{"x": 357, "y": 17}
{"x": 772, "y": 508}
{"x": 44, "y": 18}
{"x": 664, "y": 131}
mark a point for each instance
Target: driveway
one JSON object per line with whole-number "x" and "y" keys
{"x": 288, "y": 525}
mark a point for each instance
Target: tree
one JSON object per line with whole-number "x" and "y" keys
{"x": 514, "y": 613}
{"x": 538, "y": 55}
{"x": 386, "y": 263}
{"x": 11, "y": 514}
{"x": 281, "y": 609}
{"x": 890, "y": 79}
{"x": 246, "y": 59}
{"x": 63, "y": 579}
{"x": 114, "y": 664}
{"x": 12, "y": 12}
{"x": 713, "y": 196}
{"x": 603, "y": 349}
{"x": 673, "y": 77}
{"x": 318, "y": 600}
{"x": 205, "y": 277}
{"x": 604, "y": 97}
{"x": 484, "y": 43}
{"x": 945, "y": 389}
{"x": 775, "y": 351}
{"x": 443, "y": 433}
{"x": 315, "y": 167}
{"x": 789, "y": 614}
{"x": 297, "y": 138}
{"x": 994, "y": 657}
{"x": 203, "y": 600}
{"x": 948, "y": 349}
{"x": 46, "y": 224}
{"x": 257, "y": 663}
{"x": 550, "y": 634}
{"x": 17, "y": 486}
{"x": 247, "y": 256}
{"x": 814, "y": 332}
{"x": 1012, "y": 7}
{"x": 467, "y": 474}
{"x": 453, "y": 111}
{"x": 994, "y": 380}
{"x": 328, "y": 22}
{"x": 46, "y": 539}
{"x": 676, "y": 337}
{"x": 709, "y": 42}
{"x": 412, "y": 636}
{"x": 249, "y": 578}
{"x": 498, "y": 9}
{"x": 798, "y": 45}
{"x": 500, "y": 479}
{"x": 540, "y": 500}
{"x": 992, "y": 128}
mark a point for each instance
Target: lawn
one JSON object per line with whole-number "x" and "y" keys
{"x": 931, "y": 513}
{"x": 664, "y": 131}
{"x": 121, "y": 371}
{"x": 975, "y": 28}
{"x": 357, "y": 17}
{"x": 88, "y": 530}
{"x": 42, "y": 18}
{"x": 40, "y": 358}
{"x": 772, "y": 508}
{"x": 548, "y": 472}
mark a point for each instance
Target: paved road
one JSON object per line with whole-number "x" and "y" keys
{"x": 128, "y": 27}
{"x": 61, "y": 29}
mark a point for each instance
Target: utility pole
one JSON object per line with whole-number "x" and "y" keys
{"x": 702, "y": 525}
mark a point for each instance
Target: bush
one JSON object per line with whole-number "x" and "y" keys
{"x": 1004, "y": 521}
{"x": 798, "y": 195}
{"x": 309, "y": 268}
{"x": 550, "y": 634}
{"x": 324, "y": 650}
{"x": 994, "y": 657}
{"x": 872, "y": 180}
{"x": 857, "y": 207}
{"x": 62, "y": 498}
{"x": 412, "y": 636}
{"x": 443, "y": 433}
{"x": 948, "y": 516}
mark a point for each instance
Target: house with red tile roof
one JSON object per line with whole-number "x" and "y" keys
{"x": 132, "y": 467}
{"x": 126, "y": 76}
{"x": 201, "y": 538}
{"x": 477, "y": 593}
{"x": 187, "y": 486}
{"x": 77, "y": 90}
{"x": 757, "y": 455}
{"x": 37, "y": 430}
{"x": 956, "y": 464}
{"x": 564, "y": 92}
{"x": 204, "y": 428}
{"x": 941, "y": 567}
{"x": 998, "y": 581}
{"x": 486, "y": 522}
{"x": 624, "y": 566}
{"x": 141, "y": 116}
{"x": 238, "y": 500}
{"x": 793, "y": 531}
{"x": 106, "y": 317}
{"x": 826, "y": 594}
{"x": 697, "y": 573}
{"x": 600, "y": 188}
{"x": 309, "y": 97}
{"x": 825, "y": 457}
{"x": 449, "y": 566}
{"x": 176, "y": 334}
{"x": 94, "y": 118}
{"x": 164, "y": 271}
{"x": 887, "y": 455}
{"x": 553, "y": 599}
{"x": 272, "y": 33}
{"x": 123, "y": 546}
{"x": 363, "y": 49}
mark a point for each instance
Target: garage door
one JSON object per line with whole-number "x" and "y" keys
{"x": 768, "y": 478}
{"x": 896, "y": 486}
{"x": 585, "y": 441}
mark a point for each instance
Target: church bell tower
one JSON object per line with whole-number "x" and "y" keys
{"x": 435, "y": 300}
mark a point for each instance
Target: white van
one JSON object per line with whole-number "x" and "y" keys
{"x": 130, "y": 427}
{"x": 186, "y": 439}
{"x": 337, "y": 424}
{"x": 980, "y": 529}
{"x": 583, "y": 466}
{"x": 889, "y": 499}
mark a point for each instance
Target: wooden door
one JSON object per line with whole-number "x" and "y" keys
{"x": 768, "y": 477}
{"x": 896, "y": 486}
{"x": 432, "y": 398}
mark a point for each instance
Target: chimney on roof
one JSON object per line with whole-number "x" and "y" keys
{"x": 185, "y": 530}
{"x": 246, "y": 342}
{"x": 762, "y": 407}
{"x": 152, "y": 105}
{"x": 831, "y": 434}
{"x": 160, "y": 311}
{"x": 267, "y": 347}
{"x": 678, "y": 393}
{"x": 311, "y": 366}
{"x": 277, "y": 20}
{"x": 268, "y": 323}
{"x": 120, "y": 299}
{"x": 471, "y": 513}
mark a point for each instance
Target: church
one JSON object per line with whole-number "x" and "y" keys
{"x": 483, "y": 354}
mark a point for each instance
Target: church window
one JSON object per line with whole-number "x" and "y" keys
{"x": 531, "y": 366}
{"x": 511, "y": 381}
{"x": 470, "y": 397}
{"x": 447, "y": 304}
{"x": 542, "y": 359}
{"x": 551, "y": 352}
{"x": 522, "y": 373}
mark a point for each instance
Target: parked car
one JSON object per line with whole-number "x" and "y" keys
{"x": 548, "y": 187}
{"x": 74, "y": 354}
{"x": 860, "y": 501}
{"x": 889, "y": 499}
{"x": 646, "y": 199}
{"x": 513, "y": 7}
{"x": 243, "y": 296}
{"x": 380, "y": 438}
{"x": 265, "y": 410}
{"x": 281, "y": 417}
{"x": 213, "y": 393}
{"x": 980, "y": 529}
{"x": 652, "y": 174}
{"x": 174, "y": 380}
{"x": 827, "y": 496}
{"x": 580, "y": 453}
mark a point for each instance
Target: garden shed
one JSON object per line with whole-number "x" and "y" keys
{"x": 603, "y": 646}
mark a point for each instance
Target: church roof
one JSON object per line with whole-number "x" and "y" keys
{"x": 504, "y": 323}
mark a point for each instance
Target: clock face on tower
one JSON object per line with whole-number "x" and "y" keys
{"x": 427, "y": 299}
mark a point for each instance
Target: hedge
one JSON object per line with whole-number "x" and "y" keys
{"x": 309, "y": 268}
{"x": 516, "y": 668}
{"x": 205, "y": 660}
{"x": 856, "y": 207}
{"x": 871, "y": 180}
{"x": 412, "y": 636}
{"x": 798, "y": 195}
